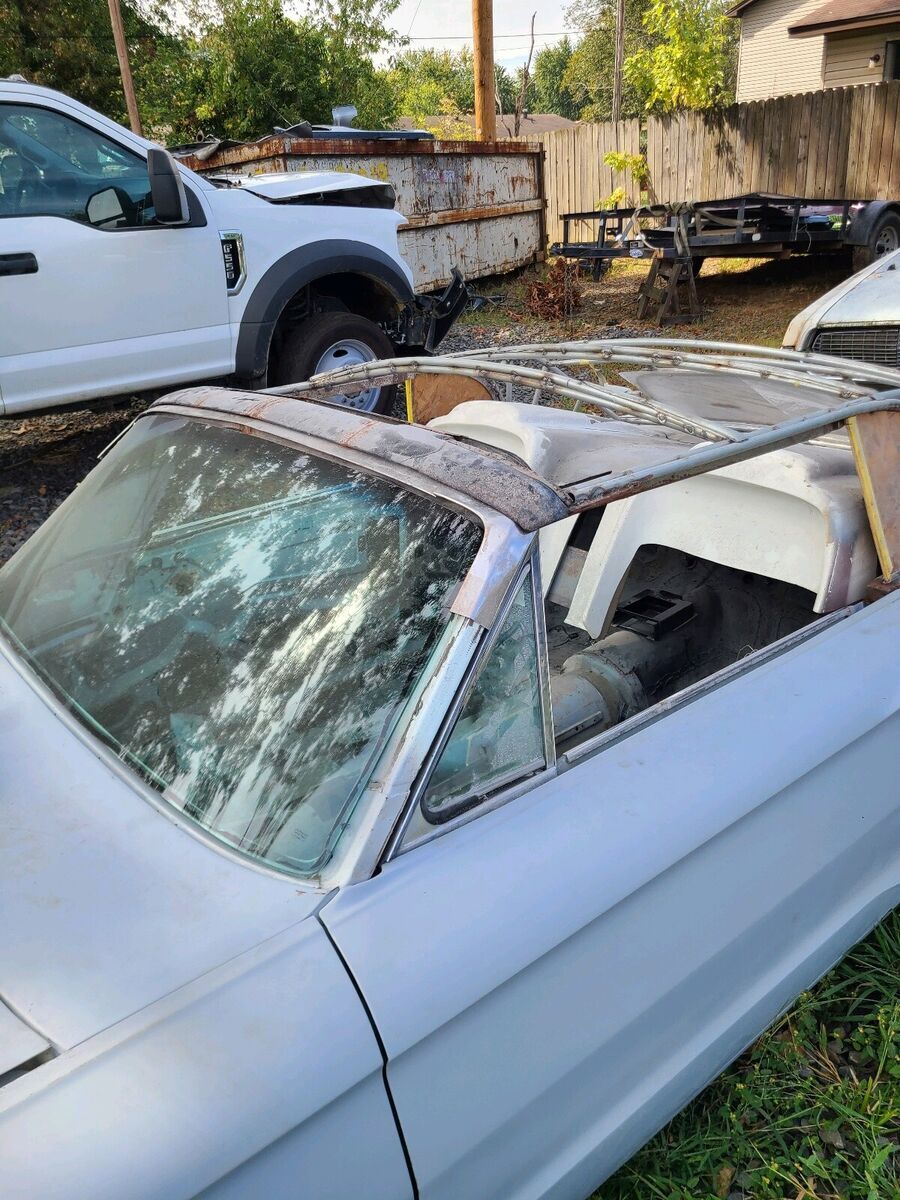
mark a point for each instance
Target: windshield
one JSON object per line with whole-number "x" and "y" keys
{"x": 240, "y": 621}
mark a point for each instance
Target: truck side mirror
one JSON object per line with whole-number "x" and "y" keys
{"x": 167, "y": 188}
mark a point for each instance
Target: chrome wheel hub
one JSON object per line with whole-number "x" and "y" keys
{"x": 349, "y": 352}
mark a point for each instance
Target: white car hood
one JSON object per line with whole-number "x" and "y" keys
{"x": 285, "y": 185}
{"x": 108, "y": 903}
{"x": 870, "y": 297}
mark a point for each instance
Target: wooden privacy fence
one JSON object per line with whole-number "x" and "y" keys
{"x": 832, "y": 144}
{"x": 575, "y": 176}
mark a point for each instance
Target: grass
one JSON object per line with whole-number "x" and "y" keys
{"x": 810, "y": 1112}
{"x": 744, "y": 300}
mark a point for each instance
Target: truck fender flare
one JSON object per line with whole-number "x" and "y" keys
{"x": 288, "y": 275}
{"x": 865, "y": 220}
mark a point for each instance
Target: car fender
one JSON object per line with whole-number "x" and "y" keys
{"x": 256, "y": 1075}
{"x": 295, "y": 270}
{"x": 832, "y": 309}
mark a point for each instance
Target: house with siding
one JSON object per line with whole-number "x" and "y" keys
{"x": 790, "y": 46}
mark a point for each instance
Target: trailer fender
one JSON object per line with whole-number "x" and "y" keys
{"x": 866, "y": 219}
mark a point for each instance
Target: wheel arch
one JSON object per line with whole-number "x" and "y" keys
{"x": 867, "y": 218}
{"x": 340, "y": 261}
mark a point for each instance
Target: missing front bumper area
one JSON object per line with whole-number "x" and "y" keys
{"x": 426, "y": 319}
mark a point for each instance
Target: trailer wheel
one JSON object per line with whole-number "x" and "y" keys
{"x": 884, "y": 239}
{"x": 327, "y": 341}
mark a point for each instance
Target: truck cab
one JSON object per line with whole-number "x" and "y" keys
{"x": 103, "y": 292}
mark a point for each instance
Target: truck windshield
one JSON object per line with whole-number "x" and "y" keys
{"x": 242, "y": 622}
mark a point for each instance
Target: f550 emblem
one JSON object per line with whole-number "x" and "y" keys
{"x": 233, "y": 256}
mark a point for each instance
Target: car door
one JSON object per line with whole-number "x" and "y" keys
{"x": 557, "y": 969}
{"x": 97, "y": 297}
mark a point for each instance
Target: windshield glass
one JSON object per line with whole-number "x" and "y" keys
{"x": 240, "y": 621}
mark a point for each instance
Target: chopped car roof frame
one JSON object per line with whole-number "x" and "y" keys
{"x": 848, "y": 390}
{"x": 857, "y": 388}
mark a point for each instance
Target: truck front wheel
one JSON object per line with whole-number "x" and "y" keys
{"x": 327, "y": 341}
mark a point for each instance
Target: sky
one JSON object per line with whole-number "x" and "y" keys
{"x": 447, "y": 24}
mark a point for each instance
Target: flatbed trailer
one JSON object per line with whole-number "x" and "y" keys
{"x": 680, "y": 236}
{"x": 757, "y": 223}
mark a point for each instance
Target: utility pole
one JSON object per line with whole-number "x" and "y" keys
{"x": 134, "y": 117}
{"x": 526, "y": 80}
{"x": 619, "y": 61}
{"x": 483, "y": 47}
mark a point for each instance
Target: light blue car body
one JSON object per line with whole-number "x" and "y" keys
{"x": 505, "y": 1009}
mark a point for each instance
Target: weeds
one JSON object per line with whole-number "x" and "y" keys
{"x": 743, "y": 300}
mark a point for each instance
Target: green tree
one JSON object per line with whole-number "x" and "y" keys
{"x": 504, "y": 88}
{"x": 243, "y": 67}
{"x": 549, "y": 93}
{"x": 691, "y": 61}
{"x": 250, "y": 66}
{"x": 423, "y": 79}
{"x": 233, "y": 68}
{"x": 588, "y": 77}
{"x": 429, "y": 83}
{"x": 356, "y": 32}
{"x": 68, "y": 45}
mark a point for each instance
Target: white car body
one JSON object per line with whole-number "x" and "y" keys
{"x": 859, "y": 319}
{"x": 101, "y": 311}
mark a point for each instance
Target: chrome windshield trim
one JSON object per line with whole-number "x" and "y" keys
{"x": 387, "y": 790}
{"x": 435, "y": 749}
{"x": 539, "y": 612}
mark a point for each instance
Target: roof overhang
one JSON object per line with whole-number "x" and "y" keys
{"x": 845, "y": 17}
{"x": 835, "y": 17}
{"x": 737, "y": 10}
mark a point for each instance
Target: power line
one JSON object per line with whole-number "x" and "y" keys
{"x": 465, "y": 37}
{"x": 413, "y": 21}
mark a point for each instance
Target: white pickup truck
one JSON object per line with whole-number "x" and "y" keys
{"x": 122, "y": 270}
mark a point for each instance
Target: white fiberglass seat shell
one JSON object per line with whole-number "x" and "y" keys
{"x": 808, "y": 524}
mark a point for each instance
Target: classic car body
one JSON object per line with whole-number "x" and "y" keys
{"x": 858, "y": 319}
{"x": 596, "y": 718}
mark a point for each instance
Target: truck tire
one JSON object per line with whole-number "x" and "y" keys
{"x": 884, "y": 238}
{"x": 327, "y": 341}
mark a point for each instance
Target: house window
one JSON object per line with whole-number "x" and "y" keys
{"x": 892, "y": 60}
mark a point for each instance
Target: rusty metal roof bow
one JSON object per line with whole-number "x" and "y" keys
{"x": 848, "y": 389}
{"x": 545, "y": 369}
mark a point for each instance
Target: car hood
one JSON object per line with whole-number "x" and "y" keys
{"x": 109, "y": 902}
{"x": 282, "y": 187}
{"x": 871, "y": 297}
